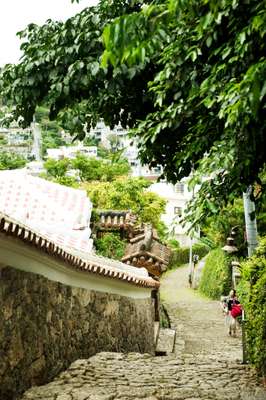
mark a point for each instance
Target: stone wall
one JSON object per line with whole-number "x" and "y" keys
{"x": 46, "y": 325}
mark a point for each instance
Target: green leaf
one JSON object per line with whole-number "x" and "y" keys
{"x": 209, "y": 41}
{"x": 242, "y": 37}
{"x": 95, "y": 67}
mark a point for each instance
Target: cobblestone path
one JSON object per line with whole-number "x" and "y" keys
{"x": 206, "y": 364}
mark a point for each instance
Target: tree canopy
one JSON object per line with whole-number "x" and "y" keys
{"x": 61, "y": 67}
{"x": 128, "y": 193}
{"x": 209, "y": 95}
{"x": 88, "y": 168}
{"x": 187, "y": 75}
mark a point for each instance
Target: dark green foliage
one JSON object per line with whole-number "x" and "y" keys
{"x": 216, "y": 278}
{"x": 51, "y": 140}
{"x": 200, "y": 249}
{"x": 180, "y": 256}
{"x": 218, "y": 227}
{"x": 110, "y": 245}
{"x": 11, "y": 161}
{"x": 252, "y": 292}
{"x": 208, "y": 242}
{"x": 208, "y": 96}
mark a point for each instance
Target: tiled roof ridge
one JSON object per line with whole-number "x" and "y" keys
{"x": 112, "y": 212}
{"x": 11, "y": 227}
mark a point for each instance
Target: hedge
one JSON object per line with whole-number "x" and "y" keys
{"x": 181, "y": 256}
{"x": 216, "y": 278}
{"x": 252, "y": 293}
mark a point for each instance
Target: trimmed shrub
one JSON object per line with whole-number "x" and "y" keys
{"x": 216, "y": 279}
{"x": 200, "y": 249}
{"x": 252, "y": 293}
{"x": 180, "y": 256}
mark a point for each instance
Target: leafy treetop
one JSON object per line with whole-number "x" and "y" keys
{"x": 127, "y": 193}
{"x": 60, "y": 67}
{"x": 187, "y": 75}
{"x": 208, "y": 96}
{"x": 88, "y": 169}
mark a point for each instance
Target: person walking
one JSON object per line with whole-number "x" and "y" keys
{"x": 233, "y": 311}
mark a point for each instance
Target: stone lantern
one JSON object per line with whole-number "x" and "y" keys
{"x": 230, "y": 247}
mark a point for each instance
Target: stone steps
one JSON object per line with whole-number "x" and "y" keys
{"x": 165, "y": 342}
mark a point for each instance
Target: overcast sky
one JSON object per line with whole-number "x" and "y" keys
{"x": 15, "y": 15}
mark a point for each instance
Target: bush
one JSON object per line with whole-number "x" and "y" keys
{"x": 57, "y": 168}
{"x": 110, "y": 245}
{"x": 180, "y": 256}
{"x": 11, "y": 161}
{"x": 252, "y": 293}
{"x": 173, "y": 244}
{"x": 216, "y": 279}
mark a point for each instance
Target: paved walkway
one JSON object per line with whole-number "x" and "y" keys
{"x": 206, "y": 364}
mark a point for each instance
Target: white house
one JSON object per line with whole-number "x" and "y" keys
{"x": 18, "y": 140}
{"x": 72, "y": 151}
{"x": 176, "y": 197}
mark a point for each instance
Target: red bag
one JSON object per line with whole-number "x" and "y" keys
{"x": 236, "y": 310}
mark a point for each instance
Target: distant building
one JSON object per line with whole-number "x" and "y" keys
{"x": 144, "y": 171}
{"x": 177, "y": 197}
{"x": 72, "y": 152}
{"x": 18, "y": 140}
{"x": 101, "y": 133}
{"x": 66, "y": 137}
{"x": 118, "y": 138}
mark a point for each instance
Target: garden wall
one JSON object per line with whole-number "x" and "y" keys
{"x": 45, "y": 325}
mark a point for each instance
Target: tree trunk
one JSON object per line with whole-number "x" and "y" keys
{"x": 251, "y": 223}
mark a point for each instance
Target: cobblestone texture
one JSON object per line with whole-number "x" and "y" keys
{"x": 46, "y": 325}
{"x": 206, "y": 364}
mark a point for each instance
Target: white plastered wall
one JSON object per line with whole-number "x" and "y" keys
{"x": 15, "y": 254}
